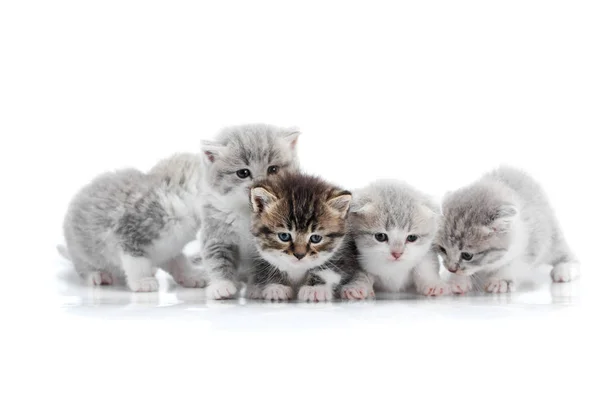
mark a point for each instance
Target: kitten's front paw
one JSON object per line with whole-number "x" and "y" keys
{"x": 143, "y": 285}
{"x": 460, "y": 286}
{"x": 357, "y": 292}
{"x": 565, "y": 272}
{"x": 192, "y": 279}
{"x": 434, "y": 289}
{"x": 219, "y": 290}
{"x": 499, "y": 286}
{"x": 277, "y": 292}
{"x": 99, "y": 278}
{"x": 315, "y": 293}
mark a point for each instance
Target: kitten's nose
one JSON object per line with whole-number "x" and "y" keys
{"x": 299, "y": 256}
{"x": 396, "y": 254}
{"x": 453, "y": 269}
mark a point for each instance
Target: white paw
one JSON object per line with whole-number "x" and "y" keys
{"x": 565, "y": 272}
{"x": 193, "y": 279}
{"x": 99, "y": 278}
{"x": 143, "y": 285}
{"x": 435, "y": 289}
{"x": 460, "y": 286}
{"x": 499, "y": 286}
{"x": 315, "y": 293}
{"x": 357, "y": 291}
{"x": 220, "y": 290}
{"x": 277, "y": 292}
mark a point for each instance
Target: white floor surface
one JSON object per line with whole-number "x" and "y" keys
{"x": 176, "y": 343}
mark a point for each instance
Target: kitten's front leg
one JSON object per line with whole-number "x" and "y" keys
{"x": 460, "y": 284}
{"x": 505, "y": 279}
{"x": 221, "y": 260}
{"x": 502, "y": 281}
{"x": 220, "y": 256}
{"x": 268, "y": 283}
{"x": 359, "y": 288}
{"x": 320, "y": 285}
{"x": 426, "y": 277}
{"x": 182, "y": 271}
{"x": 139, "y": 272}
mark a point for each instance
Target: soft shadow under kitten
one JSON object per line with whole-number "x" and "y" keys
{"x": 299, "y": 226}
{"x": 495, "y": 229}
{"x": 393, "y": 226}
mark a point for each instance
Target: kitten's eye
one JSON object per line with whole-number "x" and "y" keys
{"x": 284, "y": 237}
{"x": 316, "y": 239}
{"x": 273, "y": 169}
{"x": 412, "y": 238}
{"x": 466, "y": 256}
{"x": 243, "y": 173}
{"x": 441, "y": 249}
{"x": 381, "y": 237}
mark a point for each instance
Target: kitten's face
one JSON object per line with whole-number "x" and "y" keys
{"x": 392, "y": 236}
{"x": 299, "y": 222}
{"x": 469, "y": 244}
{"x": 246, "y": 154}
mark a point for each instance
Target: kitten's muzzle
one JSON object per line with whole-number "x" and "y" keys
{"x": 453, "y": 269}
{"x": 299, "y": 256}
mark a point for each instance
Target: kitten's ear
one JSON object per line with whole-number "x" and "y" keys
{"x": 340, "y": 202}
{"x": 362, "y": 209}
{"x": 291, "y": 138}
{"x": 428, "y": 212}
{"x": 212, "y": 150}
{"x": 432, "y": 215}
{"x": 503, "y": 219}
{"x": 261, "y": 198}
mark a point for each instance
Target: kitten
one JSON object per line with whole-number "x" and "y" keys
{"x": 241, "y": 156}
{"x": 393, "y": 226}
{"x": 299, "y": 227}
{"x": 125, "y": 224}
{"x": 495, "y": 228}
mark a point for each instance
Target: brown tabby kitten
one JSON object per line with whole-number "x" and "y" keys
{"x": 299, "y": 226}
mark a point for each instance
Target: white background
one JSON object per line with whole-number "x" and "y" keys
{"x": 431, "y": 92}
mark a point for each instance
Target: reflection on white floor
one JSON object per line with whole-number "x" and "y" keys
{"x": 175, "y": 343}
{"x": 175, "y": 301}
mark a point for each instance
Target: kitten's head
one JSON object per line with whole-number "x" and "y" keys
{"x": 393, "y": 225}
{"x": 242, "y": 155}
{"x": 480, "y": 224}
{"x": 298, "y": 221}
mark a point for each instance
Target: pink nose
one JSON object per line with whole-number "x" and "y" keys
{"x": 396, "y": 254}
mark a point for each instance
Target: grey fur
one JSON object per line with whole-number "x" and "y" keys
{"x": 397, "y": 210}
{"x": 505, "y": 221}
{"x": 128, "y": 216}
{"x": 225, "y": 233}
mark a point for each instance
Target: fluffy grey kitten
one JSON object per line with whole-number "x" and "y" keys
{"x": 239, "y": 157}
{"x": 393, "y": 226}
{"x": 126, "y": 224}
{"x": 497, "y": 227}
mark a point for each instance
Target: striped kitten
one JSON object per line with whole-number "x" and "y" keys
{"x": 299, "y": 227}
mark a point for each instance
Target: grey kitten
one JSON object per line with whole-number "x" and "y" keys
{"x": 126, "y": 224}
{"x": 393, "y": 226}
{"x": 497, "y": 227}
{"x": 239, "y": 157}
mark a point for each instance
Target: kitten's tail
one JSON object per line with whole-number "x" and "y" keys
{"x": 62, "y": 250}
